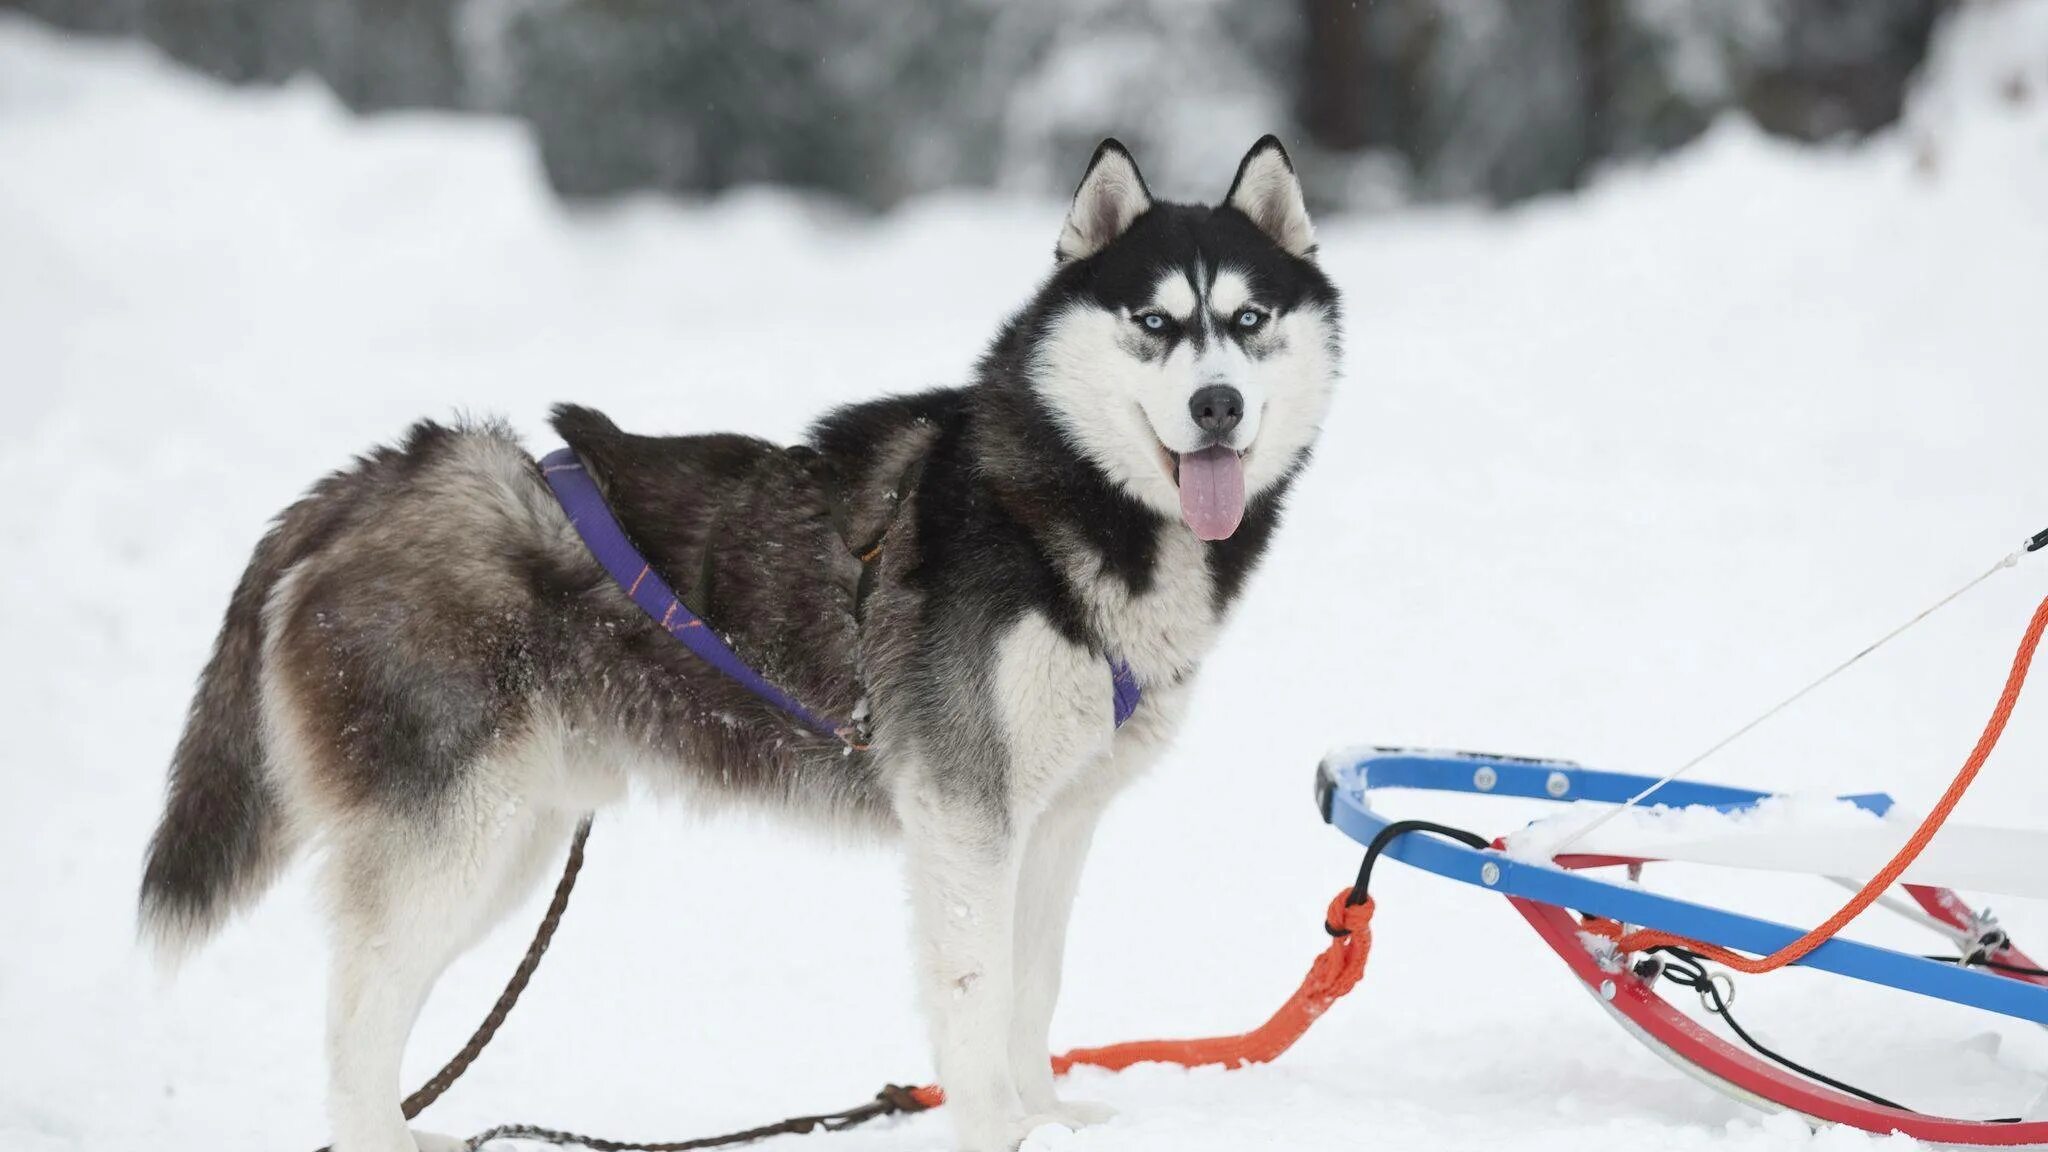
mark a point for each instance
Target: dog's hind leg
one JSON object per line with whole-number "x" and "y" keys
{"x": 407, "y": 898}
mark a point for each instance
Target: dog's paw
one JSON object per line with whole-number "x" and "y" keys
{"x": 1080, "y": 1113}
{"x": 1036, "y": 1132}
{"x": 1049, "y": 1108}
{"x": 1042, "y": 1132}
{"x": 435, "y": 1142}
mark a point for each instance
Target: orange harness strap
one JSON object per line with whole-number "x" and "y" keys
{"x": 1335, "y": 972}
{"x": 1866, "y": 896}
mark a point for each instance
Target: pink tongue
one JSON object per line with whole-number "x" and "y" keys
{"x": 1212, "y": 492}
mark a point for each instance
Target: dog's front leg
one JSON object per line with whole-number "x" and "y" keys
{"x": 1045, "y": 899}
{"x": 963, "y": 862}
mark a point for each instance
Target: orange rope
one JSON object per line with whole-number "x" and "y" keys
{"x": 1335, "y": 972}
{"x": 1866, "y": 896}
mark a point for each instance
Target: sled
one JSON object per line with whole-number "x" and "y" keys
{"x": 1562, "y": 898}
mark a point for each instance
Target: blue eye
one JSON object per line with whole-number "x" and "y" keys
{"x": 1153, "y": 321}
{"x": 1250, "y": 318}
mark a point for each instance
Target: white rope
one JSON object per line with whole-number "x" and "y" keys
{"x": 1788, "y": 701}
{"x": 1964, "y": 939}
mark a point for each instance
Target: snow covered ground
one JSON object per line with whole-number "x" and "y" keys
{"x": 1608, "y": 475}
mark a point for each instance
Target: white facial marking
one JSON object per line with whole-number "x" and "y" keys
{"x": 1295, "y": 384}
{"x": 1228, "y": 294}
{"x": 1174, "y": 295}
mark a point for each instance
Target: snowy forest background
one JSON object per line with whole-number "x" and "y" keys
{"x": 876, "y": 101}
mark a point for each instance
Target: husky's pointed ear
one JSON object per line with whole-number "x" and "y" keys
{"x": 1268, "y": 191}
{"x": 1110, "y": 197}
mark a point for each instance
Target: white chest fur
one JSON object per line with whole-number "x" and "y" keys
{"x": 1055, "y": 696}
{"x": 1164, "y": 630}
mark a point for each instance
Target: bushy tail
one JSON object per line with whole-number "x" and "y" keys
{"x": 220, "y": 841}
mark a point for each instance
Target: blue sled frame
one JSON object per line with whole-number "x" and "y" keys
{"x": 1344, "y": 791}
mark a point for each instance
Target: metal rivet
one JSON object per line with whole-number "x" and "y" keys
{"x": 1607, "y": 989}
{"x": 1557, "y": 785}
{"x": 1489, "y": 873}
{"x": 1485, "y": 779}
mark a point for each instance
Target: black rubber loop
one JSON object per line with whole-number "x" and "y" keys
{"x": 1387, "y": 835}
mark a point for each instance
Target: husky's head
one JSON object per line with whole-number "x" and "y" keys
{"x": 1188, "y": 351}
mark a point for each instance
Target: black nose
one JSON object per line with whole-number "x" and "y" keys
{"x": 1217, "y": 408}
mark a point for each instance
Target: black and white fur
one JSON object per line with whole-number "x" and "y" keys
{"x": 424, "y": 674}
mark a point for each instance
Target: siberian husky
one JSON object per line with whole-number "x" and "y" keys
{"x": 424, "y": 673}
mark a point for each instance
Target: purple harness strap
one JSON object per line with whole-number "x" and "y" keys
{"x": 608, "y": 545}
{"x": 1124, "y": 690}
{"x": 635, "y": 575}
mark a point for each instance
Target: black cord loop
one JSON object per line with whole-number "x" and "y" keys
{"x": 1688, "y": 969}
{"x": 1387, "y": 835}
